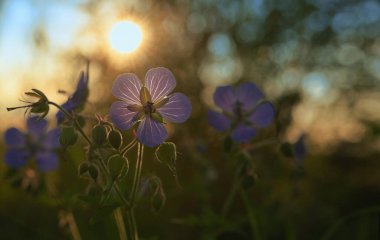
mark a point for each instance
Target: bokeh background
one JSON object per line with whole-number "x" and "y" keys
{"x": 318, "y": 61}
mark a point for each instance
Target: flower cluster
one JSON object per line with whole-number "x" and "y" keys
{"x": 243, "y": 111}
{"x": 36, "y": 144}
{"x": 148, "y": 103}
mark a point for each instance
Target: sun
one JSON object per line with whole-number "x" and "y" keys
{"x": 125, "y": 36}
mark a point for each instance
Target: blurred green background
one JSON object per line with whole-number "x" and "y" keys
{"x": 318, "y": 61}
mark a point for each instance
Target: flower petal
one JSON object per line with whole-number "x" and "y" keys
{"x": 160, "y": 82}
{"x": 81, "y": 91}
{"x": 51, "y": 140}
{"x": 46, "y": 161}
{"x": 218, "y": 120}
{"x": 177, "y": 109}
{"x": 68, "y": 106}
{"x": 127, "y": 87}
{"x": 14, "y": 137}
{"x": 151, "y": 133}
{"x": 242, "y": 133}
{"x": 263, "y": 115}
{"x": 248, "y": 94}
{"x": 225, "y": 98}
{"x": 16, "y": 158}
{"x": 36, "y": 127}
{"x": 121, "y": 116}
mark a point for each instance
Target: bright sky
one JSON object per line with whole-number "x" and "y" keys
{"x": 23, "y": 65}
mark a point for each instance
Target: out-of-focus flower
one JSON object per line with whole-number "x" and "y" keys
{"x": 149, "y": 103}
{"x": 243, "y": 111}
{"x": 77, "y": 100}
{"x": 299, "y": 148}
{"x": 37, "y": 143}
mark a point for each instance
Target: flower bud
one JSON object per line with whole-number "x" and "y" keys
{"x": 68, "y": 137}
{"x": 83, "y": 168}
{"x": 93, "y": 171}
{"x": 99, "y": 134}
{"x": 115, "y": 138}
{"x": 116, "y": 165}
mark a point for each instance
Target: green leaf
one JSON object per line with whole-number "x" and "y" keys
{"x": 166, "y": 153}
{"x": 68, "y": 136}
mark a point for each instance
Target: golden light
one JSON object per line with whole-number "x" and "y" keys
{"x": 125, "y": 36}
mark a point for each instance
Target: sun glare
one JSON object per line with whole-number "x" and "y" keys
{"x": 125, "y": 36}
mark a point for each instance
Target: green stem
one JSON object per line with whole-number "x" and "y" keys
{"x": 331, "y": 231}
{"x": 135, "y": 184}
{"x": 231, "y": 196}
{"x": 137, "y": 176}
{"x": 128, "y": 147}
{"x": 76, "y": 124}
{"x": 115, "y": 186}
{"x": 120, "y": 224}
{"x": 251, "y": 214}
{"x": 73, "y": 226}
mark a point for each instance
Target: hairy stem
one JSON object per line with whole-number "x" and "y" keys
{"x": 73, "y": 226}
{"x": 120, "y": 224}
{"x": 251, "y": 215}
{"x": 76, "y": 124}
{"x": 135, "y": 184}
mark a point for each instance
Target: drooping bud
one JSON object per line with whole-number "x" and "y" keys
{"x": 83, "y": 168}
{"x": 99, "y": 134}
{"x": 93, "y": 171}
{"x": 117, "y": 166}
{"x": 68, "y": 136}
{"x": 115, "y": 138}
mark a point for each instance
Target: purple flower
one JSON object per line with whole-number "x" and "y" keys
{"x": 37, "y": 143}
{"x": 78, "y": 98}
{"x": 149, "y": 104}
{"x": 243, "y": 111}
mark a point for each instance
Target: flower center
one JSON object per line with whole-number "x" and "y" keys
{"x": 238, "y": 111}
{"x": 149, "y": 108}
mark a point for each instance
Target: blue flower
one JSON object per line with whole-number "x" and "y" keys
{"x": 75, "y": 101}
{"x": 37, "y": 143}
{"x": 149, "y": 103}
{"x": 243, "y": 111}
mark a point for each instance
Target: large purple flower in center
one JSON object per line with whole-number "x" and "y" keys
{"x": 149, "y": 104}
{"x": 243, "y": 111}
{"x": 37, "y": 143}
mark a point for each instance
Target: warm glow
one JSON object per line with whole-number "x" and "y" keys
{"x": 125, "y": 36}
